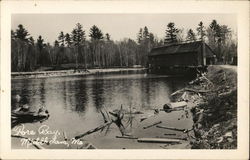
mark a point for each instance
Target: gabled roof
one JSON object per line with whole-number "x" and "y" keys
{"x": 180, "y": 48}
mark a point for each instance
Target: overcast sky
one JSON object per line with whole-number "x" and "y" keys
{"x": 119, "y": 26}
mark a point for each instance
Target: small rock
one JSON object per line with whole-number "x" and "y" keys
{"x": 230, "y": 140}
{"x": 166, "y": 107}
{"x": 229, "y": 134}
{"x": 199, "y": 126}
{"x": 200, "y": 118}
{"x": 210, "y": 115}
{"x": 220, "y": 139}
{"x": 216, "y": 125}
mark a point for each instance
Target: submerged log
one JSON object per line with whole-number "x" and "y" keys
{"x": 190, "y": 90}
{"x": 170, "y": 134}
{"x": 196, "y": 91}
{"x": 152, "y": 125}
{"x": 93, "y": 130}
{"x": 158, "y": 140}
{"x": 175, "y": 129}
{"x": 180, "y": 138}
{"x": 127, "y": 137}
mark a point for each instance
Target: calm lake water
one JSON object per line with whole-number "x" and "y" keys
{"x": 74, "y": 104}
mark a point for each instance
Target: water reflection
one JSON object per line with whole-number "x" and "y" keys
{"x": 98, "y": 93}
{"x": 65, "y": 97}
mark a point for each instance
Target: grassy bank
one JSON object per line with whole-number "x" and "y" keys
{"x": 215, "y": 116}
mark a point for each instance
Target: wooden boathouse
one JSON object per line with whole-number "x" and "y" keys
{"x": 181, "y": 57}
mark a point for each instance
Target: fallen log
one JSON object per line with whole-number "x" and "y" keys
{"x": 126, "y": 137}
{"x": 185, "y": 139}
{"x": 105, "y": 118}
{"x": 196, "y": 91}
{"x": 93, "y": 130}
{"x": 190, "y": 90}
{"x": 178, "y": 91}
{"x": 175, "y": 129}
{"x": 136, "y": 112}
{"x": 170, "y": 134}
{"x": 158, "y": 140}
{"x": 173, "y": 105}
{"x": 152, "y": 125}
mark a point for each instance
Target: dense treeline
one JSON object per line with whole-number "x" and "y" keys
{"x": 97, "y": 50}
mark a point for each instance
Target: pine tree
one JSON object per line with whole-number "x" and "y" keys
{"x": 21, "y": 33}
{"x": 78, "y": 35}
{"x": 96, "y": 36}
{"x": 171, "y": 33}
{"x": 191, "y": 35}
{"x": 201, "y": 31}
{"x": 225, "y": 32}
{"x": 95, "y": 33}
{"x": 68, "y": 40}
{"x": 56, "y": 43}
{"x": 40, "y": 46}
{"x": 139, "y": 36}
{"x": 13, "y": 34}
{"x": 61, "y": 38}
{"x": 78, "y": 38}
{"x": 145, "y": 33}
{"x": 107, "y": 37}
{"x": 31, "y": 40}
{"x": 217, "y": 38}
{"x": 215, "y": 28}
{"x": 40, "y": 43}
{"x": 151, "y": 38}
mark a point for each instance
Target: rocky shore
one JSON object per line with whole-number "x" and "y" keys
{"x": 215, "y": 111}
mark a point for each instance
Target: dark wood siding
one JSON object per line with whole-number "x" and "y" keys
{"x": 182, "y": 55}
{"x": 177, "y": 59}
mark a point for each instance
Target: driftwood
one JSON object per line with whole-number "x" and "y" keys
{"x": 196, "y": 91}
{"x": 170, "y": 134}
{"x": 93, "y": 130}
{"x": 152, "y": 125}
{"x": 126, "y": 137}
{"x": 175, "y": 129}
{"x": 104, "y": 117}
{"x": 185, "y": 139}
{"x": 158, "y": 140}
{"x": 118, "y": 120}
{"x": 190, "y": 90}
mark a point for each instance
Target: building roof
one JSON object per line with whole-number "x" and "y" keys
{"x": 181, "y": 48}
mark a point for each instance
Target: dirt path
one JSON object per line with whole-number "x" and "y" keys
{"x": 233, "y": 68}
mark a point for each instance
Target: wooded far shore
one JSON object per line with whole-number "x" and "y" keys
{"x": 73, "y": 72}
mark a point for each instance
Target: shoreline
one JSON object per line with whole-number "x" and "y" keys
{"x": 71, "y": 72}
{"x": 215, "y": 110}
{"x": 211, "y": 99}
